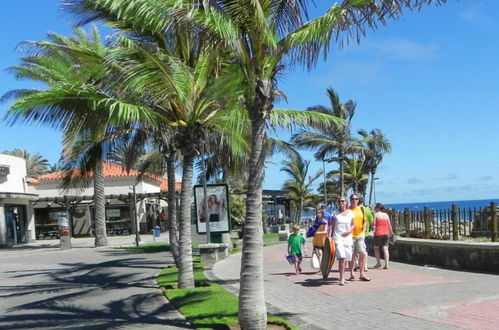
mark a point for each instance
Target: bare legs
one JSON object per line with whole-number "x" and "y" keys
{"x": 341, "y": 269}
{"x": 386, "y": 256}
{"x": 376, "y": 254}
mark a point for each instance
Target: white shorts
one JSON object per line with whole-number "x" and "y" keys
{"x": 344, "y": 250}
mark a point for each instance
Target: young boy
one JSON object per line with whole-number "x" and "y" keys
{"x": 295, "y": 242}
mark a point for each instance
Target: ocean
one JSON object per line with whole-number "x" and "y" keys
{"x": 443, "y": 205}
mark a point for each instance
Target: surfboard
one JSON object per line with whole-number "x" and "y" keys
{"x": 328, "y": 256}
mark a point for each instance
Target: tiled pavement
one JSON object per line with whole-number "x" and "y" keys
{"x": 403, "y": 297}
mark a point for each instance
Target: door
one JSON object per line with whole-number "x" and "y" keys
{"x": 16, "y": 224}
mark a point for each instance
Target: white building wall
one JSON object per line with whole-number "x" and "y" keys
{"x": 15, "y": 181}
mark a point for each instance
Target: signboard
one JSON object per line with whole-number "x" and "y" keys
{"x": 4, "y": 170}
{"x": 218, "y": 208}
{"x": 113, "y": 213}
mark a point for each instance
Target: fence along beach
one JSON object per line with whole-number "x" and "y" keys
{"x": 447, "y": 220}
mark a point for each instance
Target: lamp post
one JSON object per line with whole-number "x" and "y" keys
{"x": 324, "y": 160}
{"x": 374, "y": 189}
{"x": 135, "y": 222}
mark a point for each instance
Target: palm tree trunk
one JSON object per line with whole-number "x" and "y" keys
{"x": 172, "y": 209}
{"x": 252, "y": 309}
{"x": 185, "y": 270}
{"x": 100, "y": 206}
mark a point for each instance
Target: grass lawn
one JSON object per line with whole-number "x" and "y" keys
{"x": 208, "y": 305}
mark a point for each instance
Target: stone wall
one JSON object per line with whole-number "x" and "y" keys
{"x": 451, "y": 254}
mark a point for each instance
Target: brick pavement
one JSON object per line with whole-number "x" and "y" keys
{"x": 403, "y": 297}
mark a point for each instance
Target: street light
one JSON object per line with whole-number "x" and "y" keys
{"x": 135, "y": 222}
{"x": 374, "y": 189}
{"x": 324, "y": 160}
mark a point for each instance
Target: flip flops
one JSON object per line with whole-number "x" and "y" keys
{"x": 366, "y": 279}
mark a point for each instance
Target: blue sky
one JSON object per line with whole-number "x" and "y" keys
{"x": 429, "y": 81}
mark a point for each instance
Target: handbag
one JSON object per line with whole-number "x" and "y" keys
{"x": 392, "y": 239}
{"x": 315, "y": 263}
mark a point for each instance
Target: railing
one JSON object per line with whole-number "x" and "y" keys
{"x": 448, "y": 224}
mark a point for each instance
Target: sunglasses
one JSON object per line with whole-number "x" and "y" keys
{"x": 354, "y": 199}
{"x": 342, "y": 201}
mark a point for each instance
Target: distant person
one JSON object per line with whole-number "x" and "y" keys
{"x": 359, "y": 244}
{"x": 295, "y": 244}
{"x": 343, "y": 225}
{"x": 327, "y": 215}
{"x": 382, "y": 232}
{"x": 162, "y": 221}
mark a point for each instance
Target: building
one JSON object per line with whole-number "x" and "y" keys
{"x": 17, "y": 225}
{"x": 126, "y": 192}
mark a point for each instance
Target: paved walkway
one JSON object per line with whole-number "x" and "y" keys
{"x": 403, "y": 297}
{"x": 42, "y": 287}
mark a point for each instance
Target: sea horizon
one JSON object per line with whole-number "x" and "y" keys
{"x": 440, "y": 205}
{"x": 419, "y": 206}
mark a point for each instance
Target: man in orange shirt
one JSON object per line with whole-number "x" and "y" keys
{"x": 359, "y": 244}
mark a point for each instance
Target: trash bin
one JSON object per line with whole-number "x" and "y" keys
{"x": 156, "y": 231}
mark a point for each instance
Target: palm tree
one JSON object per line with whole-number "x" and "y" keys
{"x": 354, "y": 173}
{"x": 298, "y": 186}
{"x": 80, "y": 102}
{"x": 376, "y": 145}
{"x": 337, "y": 141}
{"x": 262, "y": 36}
{"x": 36, "y": 165}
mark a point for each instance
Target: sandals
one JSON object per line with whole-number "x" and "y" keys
{"x": 377, "y": 266}
{"x": 352, "y": 278}
{"x": 366, "y": 279}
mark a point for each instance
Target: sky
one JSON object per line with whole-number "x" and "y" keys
{"x": 429, "y": 81}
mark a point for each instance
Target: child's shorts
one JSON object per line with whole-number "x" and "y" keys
{"x": 298, "y": 256}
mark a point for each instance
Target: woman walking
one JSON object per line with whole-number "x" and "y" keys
{"x": 382, "y": 232}
{"x": 343, "y": 226}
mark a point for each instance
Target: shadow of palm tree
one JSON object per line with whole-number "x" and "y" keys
{"x": 116, "y": 293}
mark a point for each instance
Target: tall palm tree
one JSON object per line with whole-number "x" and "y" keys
{"x": 36, "y": 165}
{"x": 298, "y": 186}
{"x": 376, "y": 145}
{"x": 262, "y": 36}
{"x": 337, "y": 141}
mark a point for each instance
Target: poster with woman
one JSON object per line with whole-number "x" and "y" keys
{"x": 217, "y": 210}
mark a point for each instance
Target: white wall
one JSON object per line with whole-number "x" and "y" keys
{"x": 15, "y": 181}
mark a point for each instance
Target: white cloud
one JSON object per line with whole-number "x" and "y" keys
{"x": 400, "y": 49}
{"x": 352, "y": 72}
{"x": 475, "y": 17}
{"x": 413, "y": 180}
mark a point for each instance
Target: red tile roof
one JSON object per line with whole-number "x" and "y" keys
{"x": 111, "y": 170}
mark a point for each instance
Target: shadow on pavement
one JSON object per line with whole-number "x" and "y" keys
{"x": 100, "y": 295}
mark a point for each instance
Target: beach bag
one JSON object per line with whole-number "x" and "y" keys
{"x": 320, "y": 239}
{"x": 315, "y": 263}
{"x": 290, "y": 258}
